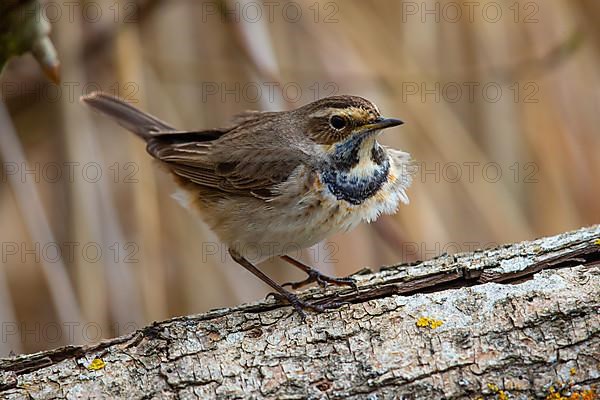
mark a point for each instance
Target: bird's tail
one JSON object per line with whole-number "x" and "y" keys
{"x": 142, "y": 124}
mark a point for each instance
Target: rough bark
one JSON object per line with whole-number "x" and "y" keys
{"x": 519, "y": 321}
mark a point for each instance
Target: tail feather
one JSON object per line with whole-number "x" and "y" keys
{"x": 129, "y": 117}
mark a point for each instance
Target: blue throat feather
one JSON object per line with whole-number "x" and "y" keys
{"x": 353, "y": 189}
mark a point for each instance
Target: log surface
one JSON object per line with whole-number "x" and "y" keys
{"x": 518, "y": 321}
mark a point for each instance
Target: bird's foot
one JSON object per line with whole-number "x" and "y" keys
{"x": 300, "y": 305}
{"x": 323, "y": 280}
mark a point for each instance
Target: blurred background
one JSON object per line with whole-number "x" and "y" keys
{"x": 501, "y": 102}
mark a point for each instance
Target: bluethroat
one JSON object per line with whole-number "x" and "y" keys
{"x": 276, "y": 181}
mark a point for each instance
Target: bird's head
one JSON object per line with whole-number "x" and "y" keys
{"x": 345, "y": 126}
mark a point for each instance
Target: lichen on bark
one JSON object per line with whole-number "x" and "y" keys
{"x": 519, "y": 321}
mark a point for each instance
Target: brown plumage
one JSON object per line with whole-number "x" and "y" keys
{"x": 291, "y": 178}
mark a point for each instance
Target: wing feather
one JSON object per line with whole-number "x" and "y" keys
{"x": 250, "y": 157}
{"x": 243, "y": 161}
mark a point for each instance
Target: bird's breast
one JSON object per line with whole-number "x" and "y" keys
{"x": 358, "y": 184}
{"x": 363, "y": 193}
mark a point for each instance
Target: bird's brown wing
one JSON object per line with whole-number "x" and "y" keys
{"x": 250, "y": 157}
{"x": 247, "y": 160}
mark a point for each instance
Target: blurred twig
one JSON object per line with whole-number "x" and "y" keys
{"x": 24, "y": 29}
{"x": 94, "y": 214}
{"x": 59, "y": 285}
{"x": 145, "y": 202}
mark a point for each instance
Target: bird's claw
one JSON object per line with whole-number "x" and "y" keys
{"x": 323, "y": 280}
{"x": 301, "y": 305}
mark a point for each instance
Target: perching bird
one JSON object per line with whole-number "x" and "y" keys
{"x": 279, "y": 180}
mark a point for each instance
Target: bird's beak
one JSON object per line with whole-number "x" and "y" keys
{"x": 381, "y": 123}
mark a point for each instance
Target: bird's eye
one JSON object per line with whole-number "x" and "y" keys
{"x": 337, "y": 122}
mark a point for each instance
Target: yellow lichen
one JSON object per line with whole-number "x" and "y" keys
{"x": 559, "y": 391}
{"x": 502, "y": 395}
{"x": 426, "y": 322}
{"x": 493, "y": 387}
{"x": 589, "y": 394}
{"x": 96, "y": 364}
{"x": 597, "y": 242}
{"x": 572, "y": 371}
{"x": 564, "y": 392}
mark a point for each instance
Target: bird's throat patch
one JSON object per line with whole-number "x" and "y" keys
{"x": 352, "y": 188}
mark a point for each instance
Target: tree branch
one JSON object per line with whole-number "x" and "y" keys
{"x": 521, "y": 320}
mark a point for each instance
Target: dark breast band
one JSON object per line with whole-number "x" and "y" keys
{"x": 352, "y": 189}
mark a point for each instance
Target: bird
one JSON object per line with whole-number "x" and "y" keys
{"x": 279, "y": 180}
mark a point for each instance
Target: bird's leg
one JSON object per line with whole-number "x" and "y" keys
{"x": 316, "y": 276}
{"x": 294, "y": 300}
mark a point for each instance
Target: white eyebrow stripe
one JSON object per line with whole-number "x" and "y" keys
{"x": 325, "y": 112}
{"x": 349, "y": 111}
